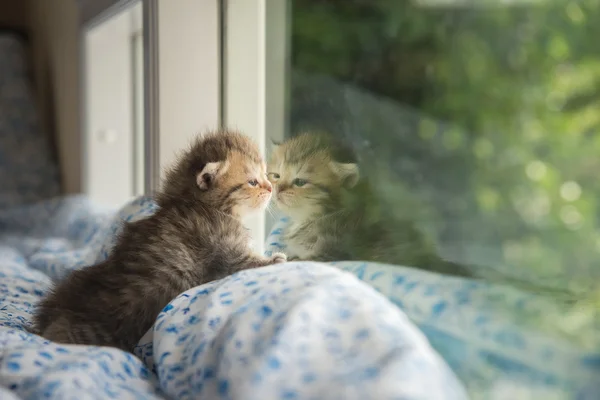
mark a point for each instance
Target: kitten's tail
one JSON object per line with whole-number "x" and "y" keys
{"x": 494, "y": 276}
{"x": 445, "y": 267}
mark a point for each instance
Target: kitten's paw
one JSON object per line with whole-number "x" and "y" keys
{"x": 278, "y": 258}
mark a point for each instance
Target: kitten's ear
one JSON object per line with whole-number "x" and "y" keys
{"x": 347, "y": 172}
{"x": 274, "y": 145}
{"x": 211, "y": 171}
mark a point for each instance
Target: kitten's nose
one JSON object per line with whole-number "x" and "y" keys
{"x": 267, "y": 185}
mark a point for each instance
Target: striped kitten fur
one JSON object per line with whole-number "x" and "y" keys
{"x": 195, "y": 236}
{"x": 334, "y": 213}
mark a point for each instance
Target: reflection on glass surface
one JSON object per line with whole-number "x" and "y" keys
{"x": 475, "y": 125}
{"x": 487, "y": 116}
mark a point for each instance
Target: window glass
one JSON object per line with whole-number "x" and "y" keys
{"x": 476, "y": 128}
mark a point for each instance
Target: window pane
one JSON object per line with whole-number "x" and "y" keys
{"x": 475, "y": 131}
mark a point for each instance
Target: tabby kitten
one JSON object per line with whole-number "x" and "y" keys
{"x": 335, "y": 215}
{"x": 195, "y": 236}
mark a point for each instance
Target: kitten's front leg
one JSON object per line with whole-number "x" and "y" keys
{"x": 307, "y": 255}
{"x": 256, "y": 261}
{"x": 297, "y": 258}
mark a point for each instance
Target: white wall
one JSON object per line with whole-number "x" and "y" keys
{"x": 189, "y": 73}
{"x": 109, "y": 113}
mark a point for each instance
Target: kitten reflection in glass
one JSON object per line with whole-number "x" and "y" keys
{"x": 334, "y": 212}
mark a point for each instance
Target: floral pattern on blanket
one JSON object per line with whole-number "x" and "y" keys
{"x": 290, "y": 331}
{"x": 481, "y": 330}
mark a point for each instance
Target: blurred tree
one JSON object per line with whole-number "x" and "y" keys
{"x": 511, "y": 92}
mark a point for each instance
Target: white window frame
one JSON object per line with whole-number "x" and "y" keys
{"x": 187, "y": 57}
{"x": 206, "y": 64}
{"x": 255, "y": 90}
{"x": 107, "y": 123}
{"x": 181, "y": 89}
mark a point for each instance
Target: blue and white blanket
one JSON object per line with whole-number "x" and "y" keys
{"x": 290, "y": 331}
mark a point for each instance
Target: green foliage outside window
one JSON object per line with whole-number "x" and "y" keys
{"x": 517, "y": 91}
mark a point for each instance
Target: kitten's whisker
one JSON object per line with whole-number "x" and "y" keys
{"x": 272, "y": 207}
{"x": 275, "y": 212}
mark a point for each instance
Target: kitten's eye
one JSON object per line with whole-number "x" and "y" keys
{"x": 253, "y": 182}
{"x": 274, "y": 175}
{"x": 299, "y": 182}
